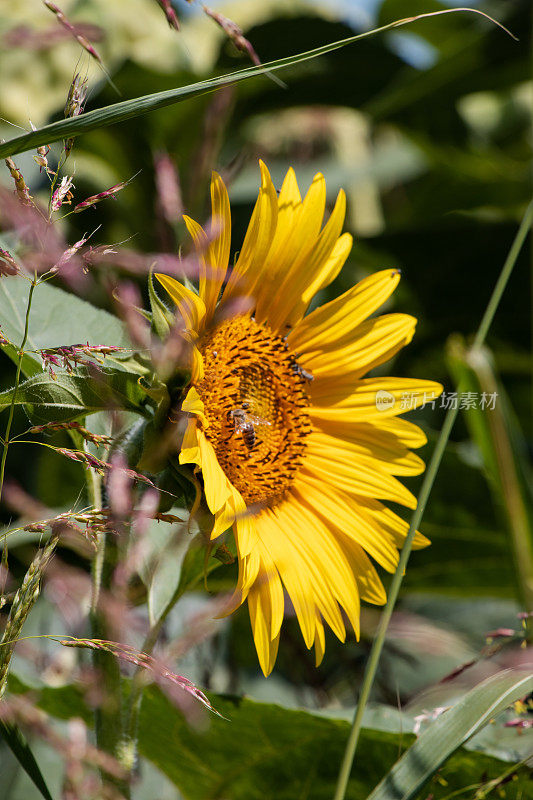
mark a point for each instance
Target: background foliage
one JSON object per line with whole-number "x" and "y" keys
{"x": 428, "y": 130}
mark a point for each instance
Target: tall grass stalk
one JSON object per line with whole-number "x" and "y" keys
{"x": 429, "y": 478}
{"x": 128, "y": 109}
{"x": 509, "y": 482}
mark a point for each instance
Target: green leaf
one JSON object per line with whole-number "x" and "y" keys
{"x": 71, "y": 396}
{"x": 20, "y": 748}
{"x": 176, "y": 560}
{"x": 127, "y": 109}
{"x": 185, "y": 560}
{"x": 163, "y": 574}
{"x": 182, "y": 564}
{"x": 245, "y": 755}
{"x": 194, "y": 567}
{"x": 450, "y": 731}
{"x": 61, "y": 703}
{"x": 182, "y": 561}
{"x": 57, "y": 318}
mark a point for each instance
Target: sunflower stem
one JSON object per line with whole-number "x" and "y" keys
{"x": 137, "y": 687}
{"x": 108, "y": 715}
{"x": 138, "y": 684}
{"x": 427, "y": 484}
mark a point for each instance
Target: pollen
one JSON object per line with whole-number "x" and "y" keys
{"x": 255, "y": 401}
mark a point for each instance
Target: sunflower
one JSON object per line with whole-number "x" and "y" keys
{"x": 296, "y": 448}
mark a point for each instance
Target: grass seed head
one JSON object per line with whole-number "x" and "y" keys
{"x": 21, "y": 188}
{"x": 24, "y": 601}
{"x": 73, "y": 29}
{"x": 168, "y": 188}
{"x": 8, "y": 265}
{"x": 62, "y": 194}
{"x": 97, "y": 198}
{"x": 233, "y": 32}
{"x": 170, "y": 14}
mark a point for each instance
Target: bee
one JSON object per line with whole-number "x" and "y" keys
{"x": 301, "y": 372}
{"x": 244, "y": 423}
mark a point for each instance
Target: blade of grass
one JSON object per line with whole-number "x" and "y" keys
{"x": 444, "y": 736}
{"x": 504, "y": 451}
{"x": 118, "y": 112}
{"x": 427, "y": 484}
{"x": 16, "y": 741}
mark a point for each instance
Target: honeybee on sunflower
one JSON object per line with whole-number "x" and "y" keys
{"x": 296, "y": 455}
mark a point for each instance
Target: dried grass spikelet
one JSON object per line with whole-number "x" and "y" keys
{"x": 21, "y": 187}
{"x": 24, "y": 601}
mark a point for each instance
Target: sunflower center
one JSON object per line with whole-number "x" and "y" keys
{"x": 255, "y": 402}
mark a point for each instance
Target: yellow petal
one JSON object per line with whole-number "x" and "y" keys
{"x": 368, "y": 581}
{"x": 261, "y": 620}
{"x": 196, "y": 449}
{"x": 374, "y": 398}
{"x": 216, "y": 485}
{"x": 334, "y": 319}
{"x": 211, "y": 273}
{"x": 361, "y": 476}
{"x": 189, "y": 305}
{"x": 343, "y": 512}
{"x": 205, "y": 266}
{"x": 197, "y": 365}
{"x": 249, "y": 567}
{"x": 193, "y": 404}
{"x": 190, "y": 448}
{"x": 370, "y": 441}
{"x": 370, "y": 344}
{"x": 213, "y": 250}
{"x": 219, "y": 249}
{"x": 296, "y": 236}
{"x": 245, "y": 530}
{"x": 312, "y": 567}
{"x": 389, "y": 433}
{"x": 320, "y": 641}
{"x": 308, "y": 273}
{"x": 269, "y": 583}
{"x": 407, "y": 432}
{"x": 289, "y": 199}
{"x": 332, "y": 576}
{"x": 271, "y": 531}
{"x": 382, "y": 518}
{"x": 328, "y": 272}
{"x": 331, "y": 581}
{"x": 288, "y": 240}
{"x": 256, "y": 242}
{"x": 224, "y": 519}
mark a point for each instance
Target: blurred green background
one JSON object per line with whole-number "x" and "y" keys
{"x": 428, "y": 130}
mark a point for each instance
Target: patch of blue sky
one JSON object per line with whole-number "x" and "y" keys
{"x": 362, "y": 15}
{"x": 413, "y": 49}
{"x": 352, "y": 10}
